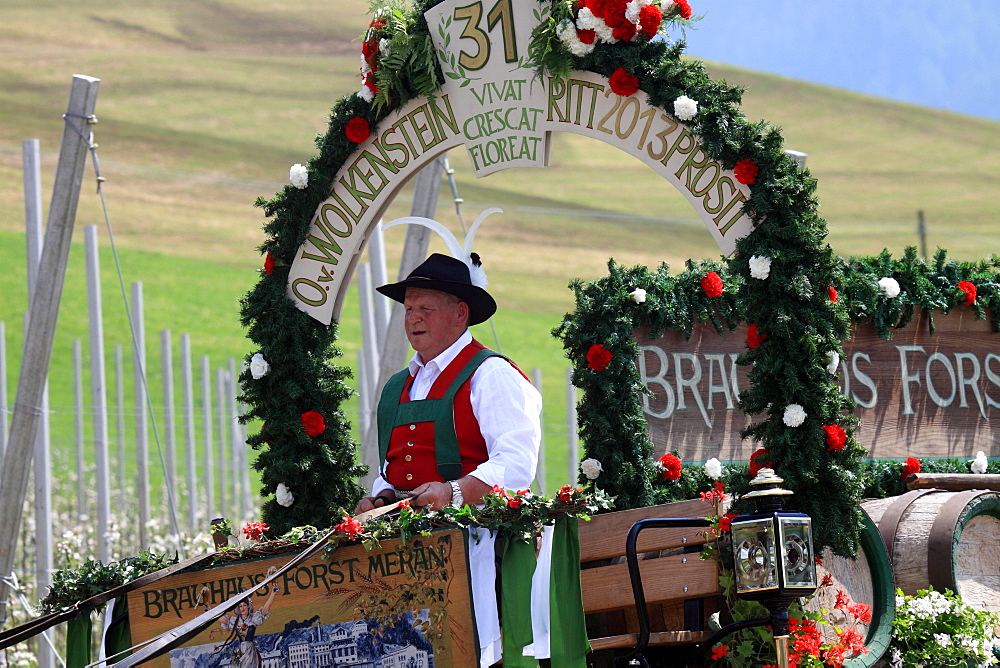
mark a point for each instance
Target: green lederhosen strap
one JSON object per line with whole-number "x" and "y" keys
{"x": 392, "y": 413}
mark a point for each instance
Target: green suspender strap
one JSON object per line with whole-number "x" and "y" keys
{"x": 392, "y": 413}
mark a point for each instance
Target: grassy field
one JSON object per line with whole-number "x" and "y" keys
{"x": 203, "y": 107}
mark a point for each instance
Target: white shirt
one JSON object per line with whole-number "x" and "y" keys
{"x": 507, "y": 407}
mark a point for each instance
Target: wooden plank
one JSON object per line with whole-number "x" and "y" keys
{"x": 603, "y": 536}
{"x": 664, "y": 579}
{"x": 658, "y": 638}
{"x": 954, "y": 482}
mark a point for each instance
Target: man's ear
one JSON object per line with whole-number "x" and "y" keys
{"x": 462, "y": 310}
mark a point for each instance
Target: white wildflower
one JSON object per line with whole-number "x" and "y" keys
{"x": 591, "y": 468}
{"x": 890, "y": 286}
{"x": 794, "y": 416}
{"x": 942, "y": 639}
{"x": 638, "y": 295}
{"x": 833, "y": 362}
{"x": 713, "y": 468}
{"x": 259, "y": 366}
{"x": 685, "y": 108}
{"x": 760, "y": 267}
{"x": 299, "y": 176}
{"x": 283, "y": 496}
{"x": 980, "y": 463}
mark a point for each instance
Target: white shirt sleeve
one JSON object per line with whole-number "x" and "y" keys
{"x": 508, "y": 409}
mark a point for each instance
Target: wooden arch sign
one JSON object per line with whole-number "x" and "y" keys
{"x": 494, "y": 104}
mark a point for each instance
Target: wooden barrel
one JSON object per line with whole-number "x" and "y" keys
{"x": 947, "y": 540}
{"x": 867, "y": 579}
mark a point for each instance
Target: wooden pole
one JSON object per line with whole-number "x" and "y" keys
{"x": 98, "y": 391}
{"x": 206, "y": 411}
{"x": 187, "y": 391}
{"x": 139, "y": 393}
{"x": 220, "y": 409}
{"x": 954, "y": 482}
{"x": 167, "y": 362}
{"x": 120, "y": 417}
{"x": 43, "y": 316}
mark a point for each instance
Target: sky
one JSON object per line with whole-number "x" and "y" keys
{"x": 943, "y": 55}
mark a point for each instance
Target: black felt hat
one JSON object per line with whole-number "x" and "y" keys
{"x": 446, "y": 274}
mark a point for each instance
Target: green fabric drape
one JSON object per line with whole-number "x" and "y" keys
{"x": 119, "y": 638}
{"x": 568, "y": 641}
{"x": 78, "y": 641}
{"x": 517, "y": 566}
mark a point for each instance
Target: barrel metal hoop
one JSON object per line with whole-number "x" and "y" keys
{"x": 941, "y": 542}
{"x": 893, "y": 515}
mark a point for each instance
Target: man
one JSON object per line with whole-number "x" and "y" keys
{"x": 458, "y": 421}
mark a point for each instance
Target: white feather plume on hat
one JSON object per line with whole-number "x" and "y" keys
{"x": 459, "y": 251}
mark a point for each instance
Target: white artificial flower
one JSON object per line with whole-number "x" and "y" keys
{"x": 834, "y": 362}
{"x": 760, "y": 267}
{"x": 283, "y": 496}
{"x": 685, "y": 108}
{"x": 794, "y": 416}
{"x": 383, "y": 47}
{"x": 591, "y": 468}
{"x": 299, "y": 176}
{"x": 366, "y": 94}
{"x": 633, "y": 8}
{"x": 586, "y": 20}
{"x": 258, "y": 366}
{"x": 638, "y": 295}
{"x": 890, "y": 286}
{"x": 713, "y": 468}
{"x": 980, "y": 463}
{"x": 567, "y": 35}
{"x": 365, "y": 67}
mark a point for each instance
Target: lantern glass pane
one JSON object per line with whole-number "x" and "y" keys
{"x": 753, "y": 549}
{"x": 799, "y": 560}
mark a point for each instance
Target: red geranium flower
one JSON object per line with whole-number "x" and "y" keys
{"x": 717, "y": 493}
{"x": 684, "y": 7}
{"x": 827, "y": 580}
{"x": 831, "y": 292}
{"x": 970, "y": 292}
{"x": 746, "y": 171}
{"x": 754, "y": 338}
{"x": 836, "y": 437}
{"x": 255, "y": 530}
{"x": 357, "y": 129}
{"x": 671, "y": 466}
{"x": 313, "y": 423}
{"x": 623, "y": 83}
{"x": 350, "y": 526}
{"x": 650, "y": 18}
{"x": 712, "y": 284}
{"x": 269, "y": 263}
{"x": 911, "y": 465}
{"x": 566, "y": 493}
{"x": 726, "y": 521}
{"x": 514, "y": 502}
{"x": 719, "y": 651}
{"x": 759, "y": 460}
{"x": 861, "y": 611}
{"x": 598, "y": 357}
{"x": 405, "y": 503}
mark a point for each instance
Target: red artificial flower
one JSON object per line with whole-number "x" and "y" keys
{"x": 625, "y": 31}
{"x": 566, "y": 493}
{"x": 269, "y": 264}
{"x": 497, "y": 490}
{"x": 684, "y": 7}
{"x": 623, "y": 83}
{"x": 831, "y": 292}
{"x": 970, "y": 292}
{"x": 759, "y": 460}
{"x": 827, "y": 580}
{"x": 719, "y": 651}
{"x": 746, "y": 171}
{"x": 836, "y": 437}
{"x": 911, "y": 465}
{"x": 514, "y": 502}
{"x": 357, "y": 130}
{"x": 598, "y": 357}
{"x": 754, "y": 338}
{"x": 313, "y": 423}
{"x": 255, "y": 530}
{"x": 671, "y": 466}
{"x": 712, "y": 284}
{"x": 650, "y": 18}
{"x": 586, "y": 36}
{"x": 350, "y": 526}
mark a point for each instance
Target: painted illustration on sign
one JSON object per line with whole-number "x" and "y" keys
{"x": 400, "y": 605}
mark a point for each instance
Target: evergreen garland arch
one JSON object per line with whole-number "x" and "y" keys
{"x": 793, "y": 306}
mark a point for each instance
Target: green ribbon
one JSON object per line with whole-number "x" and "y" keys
{"x": 78, "y": 641}
{"x": 516, "y": 568}
{"x": 118, "y": 637}
{"x": 568, "y": 641}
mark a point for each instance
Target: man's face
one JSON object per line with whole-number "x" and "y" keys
{"x": 434, "y": 321}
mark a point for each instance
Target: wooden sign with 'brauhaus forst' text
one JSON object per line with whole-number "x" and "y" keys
{"x": 917, "y": 395}
{"x": 398, "y": 605}
{"x": 494, "y": 104}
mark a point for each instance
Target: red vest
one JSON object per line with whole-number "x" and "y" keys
{"x": 411, "y": 458}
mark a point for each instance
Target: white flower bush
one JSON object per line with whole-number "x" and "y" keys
{"x": 935, "y": 629}
{"x": 794, "y": 415}
{"x": 591, "y": 468}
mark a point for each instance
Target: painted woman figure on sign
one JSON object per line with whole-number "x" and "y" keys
{"x": 242, "y": 627}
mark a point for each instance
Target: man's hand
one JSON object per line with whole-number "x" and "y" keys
{"x": 432, "y": 495}
{"x": 372, "y": 502}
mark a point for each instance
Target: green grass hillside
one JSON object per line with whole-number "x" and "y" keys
{"x": 204, "y": 106}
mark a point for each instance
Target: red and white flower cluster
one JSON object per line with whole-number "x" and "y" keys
{"x": 370, "y": 50}
{"x": 611, "y": 21}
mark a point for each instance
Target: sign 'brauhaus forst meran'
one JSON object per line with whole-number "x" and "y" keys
{"x": 493, "y": 103}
